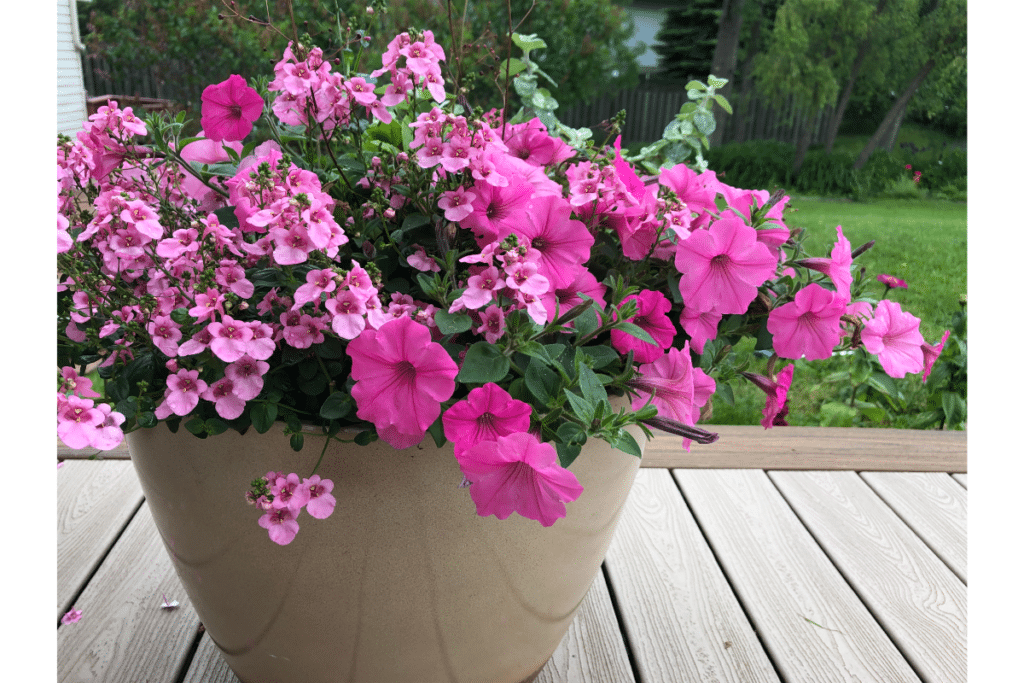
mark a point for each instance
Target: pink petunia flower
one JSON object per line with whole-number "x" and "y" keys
{"x": 676, "y": 388}
{"x": 518, "y": 473}
{"x": 229, "y": 109}
{"x": 563, "y": 243}
{"x": 931, "y": 354}
{"x": 401, "y": 379}
{"x": 895, "y": 337}
{"x": 808, "y": 326}
{"x": 488, "y": 412}
{"x": 722, "y": 267}
{"x": 650, "y": 316}
{"x": 837, "y": 267}
{"x": 776, "y": 390}
{"x": 700, "y": 325}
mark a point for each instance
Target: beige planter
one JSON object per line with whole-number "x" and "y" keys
{"x": 404, "y": 583}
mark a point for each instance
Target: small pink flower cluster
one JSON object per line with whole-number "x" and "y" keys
{"x": 80, "y": 422}
{"x": 282, "y": 497}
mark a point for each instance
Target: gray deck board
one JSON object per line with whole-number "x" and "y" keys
{"x": 918, "y": 600}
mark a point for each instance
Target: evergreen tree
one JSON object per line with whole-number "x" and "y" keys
{"x": 686, "y": 41}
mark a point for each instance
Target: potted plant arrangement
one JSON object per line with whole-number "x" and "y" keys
{"x": 436, "y": 339}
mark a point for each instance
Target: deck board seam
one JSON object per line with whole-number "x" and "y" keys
{"x": 910, "y": 527}
{"x": 725, "y": 574}
{"x": 102, "y": 558}
{"x": 634, "y": 665}
{"x": 860, "y": 596}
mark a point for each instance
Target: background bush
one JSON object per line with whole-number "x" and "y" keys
{"x": 768, "y": 164}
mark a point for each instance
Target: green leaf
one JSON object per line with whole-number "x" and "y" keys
{"x": 590, "y": 385}
{"x": 452, "y": 323}
{"x": 528, "y": 41}
{"x": 724, "y": 392}
{"x": 196, "y": 426}
{"x": 296, "y": 441}
{"x": 954, "y": 407}
{"x": 436, "y": 431}
{"x": 602, "y": 355}
{"x": 263, "y": 416}
{"x": 483, "y": 363}
{"x": 884, "y": 383}
{"x": 364, "y": 438}
{"x": 587, "y": 322}
{"x": 583, "y": 408}
{"x": 724, "y": 104}
{"x": 148, "y": 420}
{"x": 636, "y": 331}
{"x": 513, "y": 66}
{"x": 541, "y": 380}
{"x": 873, "y": 413}
{"x": 215, "y": 426}
{"x": 696, "y": 85}
{"x": 567, "y": 453}
{"x": 414, "y": 221}
{"x": 627, "y": 444}
{"x": 336, "y": 406}
{"x": 331, "y": 348}
{"x": 129, "y": 407}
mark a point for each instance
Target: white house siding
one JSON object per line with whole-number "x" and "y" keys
{"x": 70, "y": 85}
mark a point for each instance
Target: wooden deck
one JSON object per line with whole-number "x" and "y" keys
{"x": 836, "y": 555}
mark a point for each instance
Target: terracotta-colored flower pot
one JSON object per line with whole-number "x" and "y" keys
{"x": 404, "y": 583}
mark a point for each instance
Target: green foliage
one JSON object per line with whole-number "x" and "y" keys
{"x": 759, "y": 163}
{"x": 826, "y": 174}
{"x": 685, "y": 43}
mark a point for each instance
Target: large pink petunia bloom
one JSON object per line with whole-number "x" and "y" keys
{"x": 808, "y": 326}
{"x": 676, "y": 388}
{"x": 518, "y": 473}
{"x": 776, "y": 391}
{"x": 567, "y": 297}
{"x": 895, "y": 337}
{"x": 229, "y": 109}
{"x": 497, "y": 211}
{"x": 401, "y": 379}
{"x": 650, "y": 316}
{"x": 722, "y": 267}
{"x": 563, "y": 242}
{"x": 691, "y": 190}
{"x": 700, "y": 325}
{"x": 487, "y": 413}
{"x": 931, "y": 354}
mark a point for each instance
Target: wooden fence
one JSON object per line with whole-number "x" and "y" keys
{"x": 100, "y": 79}
{"x": 650, "y": 108}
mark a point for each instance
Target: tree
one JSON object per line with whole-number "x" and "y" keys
{"x": 940, "y": 39}
{"x": 723, "y": 65}
{"x": 810, "y": 52}
{"x": 686, "y": 41}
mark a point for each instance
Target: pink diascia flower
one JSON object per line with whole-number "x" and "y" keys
{"x": 931, "y": 354}
{"x": 487, "y": 413}
{"x": 518, "y": 473}
{"x": 401, "y": 379}
{"x": 321, "y": 503}
{"x": 722, "y": 267}
{"x": 808, "y": 326}
{"x": 281, "y": 524}
{"x": 895, "y": 337}
{"x": 650, "y": 317}
{"x": 229, "y": 109}
{"x": 72, "y": 616}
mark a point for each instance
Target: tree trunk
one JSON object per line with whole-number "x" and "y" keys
{"x": 890, "y": 135}
{"x": 894, "y": 113}
{"x": 804, "y": 143}
{"x": 844, "y": 99}
{"x": 724, "y": 63}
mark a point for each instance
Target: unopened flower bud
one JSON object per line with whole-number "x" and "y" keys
{"x": 389, "y": 213}
{"x": 368, "y": 249}
{"x": 861, "y": 249}
{"x": 369, "y": 10}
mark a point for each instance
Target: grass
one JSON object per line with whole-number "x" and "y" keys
{"x": 923, "y": 242}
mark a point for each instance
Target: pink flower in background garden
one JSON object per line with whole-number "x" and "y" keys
{"x": 229, "y": 109}
{"x": 895, "y": 337}
{"x": 722, "y": 267}
{"x": 518, "y": 473}
{"x": 488, "y": 412}
{"x": 321, "y": 503}
{"x": 281, "y": 524}
{"x": 891, "y": 282}
{"x": 71, "y": 616}
{"x": 401, "y": 379}
{"x": 651, "y": 317}
{"x": 809, "y": 325}
{"x": 776, "y": 390}
{"x": 931, "y": 354}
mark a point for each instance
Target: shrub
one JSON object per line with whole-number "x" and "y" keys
{"x": 826, "y": 174}
{"x": 902, "y": 188}
{"x": 758, "y": 163}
